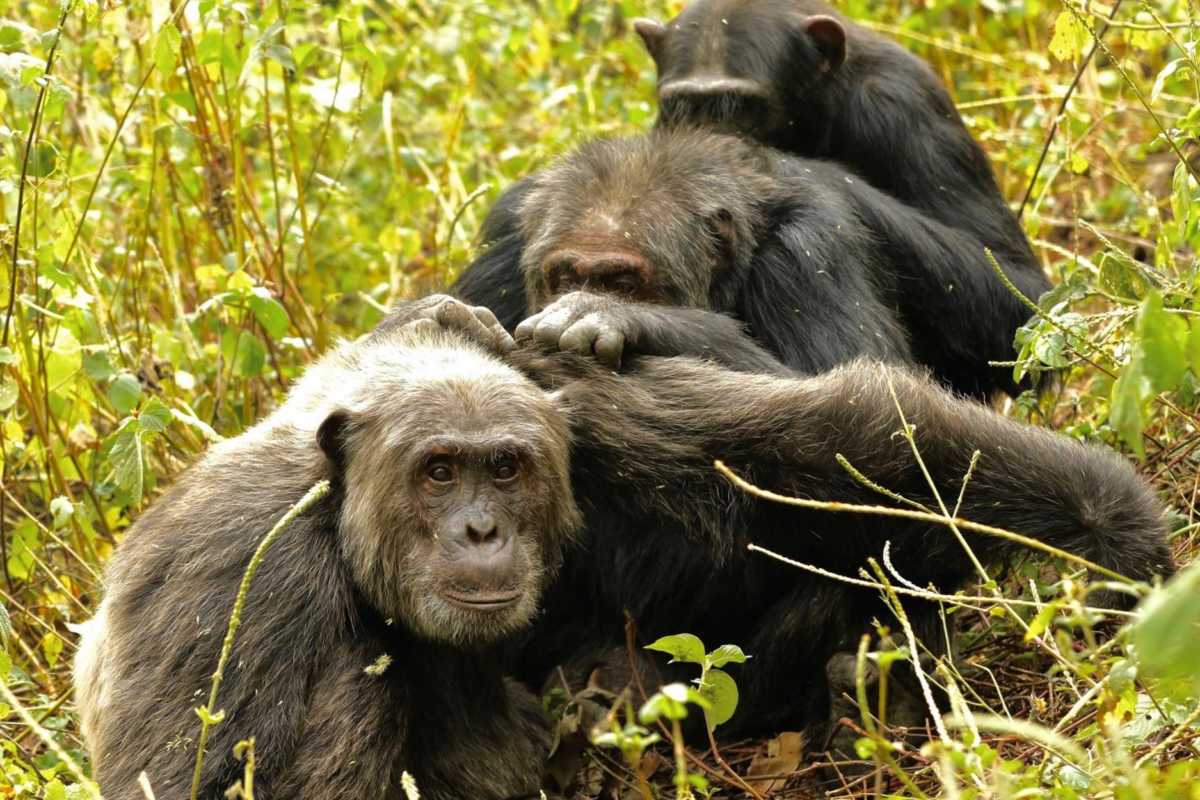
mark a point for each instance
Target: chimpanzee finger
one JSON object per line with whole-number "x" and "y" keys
{"x": 458, "y": 316}
{"x": 551, "y": 326}
{"x": 610, "y": 344}
{"x": 527, "y": 327}
{"x": 501, "y": 339}
{"x": 581, "y": 336}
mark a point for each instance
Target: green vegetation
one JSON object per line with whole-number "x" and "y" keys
{"x": 197, "y": 197}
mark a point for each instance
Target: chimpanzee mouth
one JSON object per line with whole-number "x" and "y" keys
{"x": 483, "y": 601}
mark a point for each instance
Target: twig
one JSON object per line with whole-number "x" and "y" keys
{"x": 319, "y": 490}
{"x": 924, "y": 594}
{"x": 34, "y": 124}
{"x": 1062, "y": 107}
{"x": 920, "y": 516}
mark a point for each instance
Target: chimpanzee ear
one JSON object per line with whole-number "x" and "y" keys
{"x": 653, "y": 34}
{"x": 830, "y": 38}
{"x": 331, "y": 436}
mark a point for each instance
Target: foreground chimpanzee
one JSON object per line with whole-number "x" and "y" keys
{"x": 820, "y": 266}
{"x": 368, "y": 641}
{"x": 797, "y": 75}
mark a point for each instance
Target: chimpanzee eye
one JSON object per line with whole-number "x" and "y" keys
{"x": 505, "y": 469}
{"x": 440, "y": 472}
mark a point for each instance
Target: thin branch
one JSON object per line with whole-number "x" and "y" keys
{"x": 919, "y": 516}
{"x": 318, "y": 491}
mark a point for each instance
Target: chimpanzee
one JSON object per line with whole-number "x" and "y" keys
{"x": 370, "y": 637}
{"x": 797, "y": 75}
{"x": 820, "y": 266}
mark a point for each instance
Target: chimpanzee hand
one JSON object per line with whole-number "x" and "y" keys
{"x": 610, "y": 328}
{"x": 477, "y": 322}
{"x": 585, "y": 323}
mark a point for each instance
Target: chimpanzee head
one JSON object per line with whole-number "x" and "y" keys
{"x": 745, "y": 66}
{"x": 456, "y": 489}
{"x": 664, "y": 218}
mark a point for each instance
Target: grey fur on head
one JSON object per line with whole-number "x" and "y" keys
{"x": 677, "y": 197}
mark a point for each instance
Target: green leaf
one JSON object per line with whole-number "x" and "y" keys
{"x": 720, "y": 690}
{"x": 1070, "y": 37}
{"x": 1126, "y": 407}
{"x": 127, "y": 459}
{"x": 55, "y": 790}
{"x": 269, "y": 313}
{"x": 166, "y": 50}
{"x": 1162, "y": 341}
{"x": 680, "y": 647}
{"x": 21, "y": 548}
{"x": 211, "y": 719}
{"x": 1120, "y": 275}
{"x": 97, "y": 366}
{"x": 9, "y": 392}
{"x": 726, "y": 654}
{"x": 245, "y": 351}
{"x": 1041, "y": 621}
{"x": 1193, "y": 347}
{"x": 155, "y": 416}
{"x": 61, "y": 509}
{"x": 124, "y": 392}
{"x": 51, "y": 647}
{"x": 1165, "y": 637}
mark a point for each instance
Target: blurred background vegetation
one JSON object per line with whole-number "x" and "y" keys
{"x": 197, "y": 196}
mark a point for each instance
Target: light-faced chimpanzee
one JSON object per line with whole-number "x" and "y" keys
{"x": 368, "y": 641}
{"x": 797, "y": 75}
{"x": 665, "y": 535}
{"x": 818, "y": 265}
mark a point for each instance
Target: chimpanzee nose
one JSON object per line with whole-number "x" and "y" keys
{"x": 615, "y": 271}
{"x": 479, "y": 534}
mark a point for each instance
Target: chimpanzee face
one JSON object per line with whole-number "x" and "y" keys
{"x": 457, "y": 498}
{"x": 663, "y": 221}
{"x": 742, "y": 67}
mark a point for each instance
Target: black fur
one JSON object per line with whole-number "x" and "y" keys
{"x": 666, "y": 535}
{"x": 823, "y": 268}
{"x": 850, "y": 96}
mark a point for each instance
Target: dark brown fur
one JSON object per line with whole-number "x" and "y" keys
{"x": 816, "y": 264}
{"x": 665, "y": 535}
{"x": 359, "y": 577}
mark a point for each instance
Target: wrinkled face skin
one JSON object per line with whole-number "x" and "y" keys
{"x": 738, "y": 67}
{"x": 457, "y": 502}
{"x": 663, "y": 218}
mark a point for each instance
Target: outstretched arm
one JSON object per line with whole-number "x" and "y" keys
{"x": 658, "y": 430}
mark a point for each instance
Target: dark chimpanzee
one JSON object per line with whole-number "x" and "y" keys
{"x": 665, "y": 535}
{"x": 797, "y": 75}
{"x": 820, "y": 266}
{"x": 368, "y": 641}
{"x": 793, "y": 74}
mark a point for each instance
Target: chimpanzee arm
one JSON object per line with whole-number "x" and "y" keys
{"x": 657, "y": 430}
{"x": 494, "y": 278}
{"x": 610, "y": 329}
